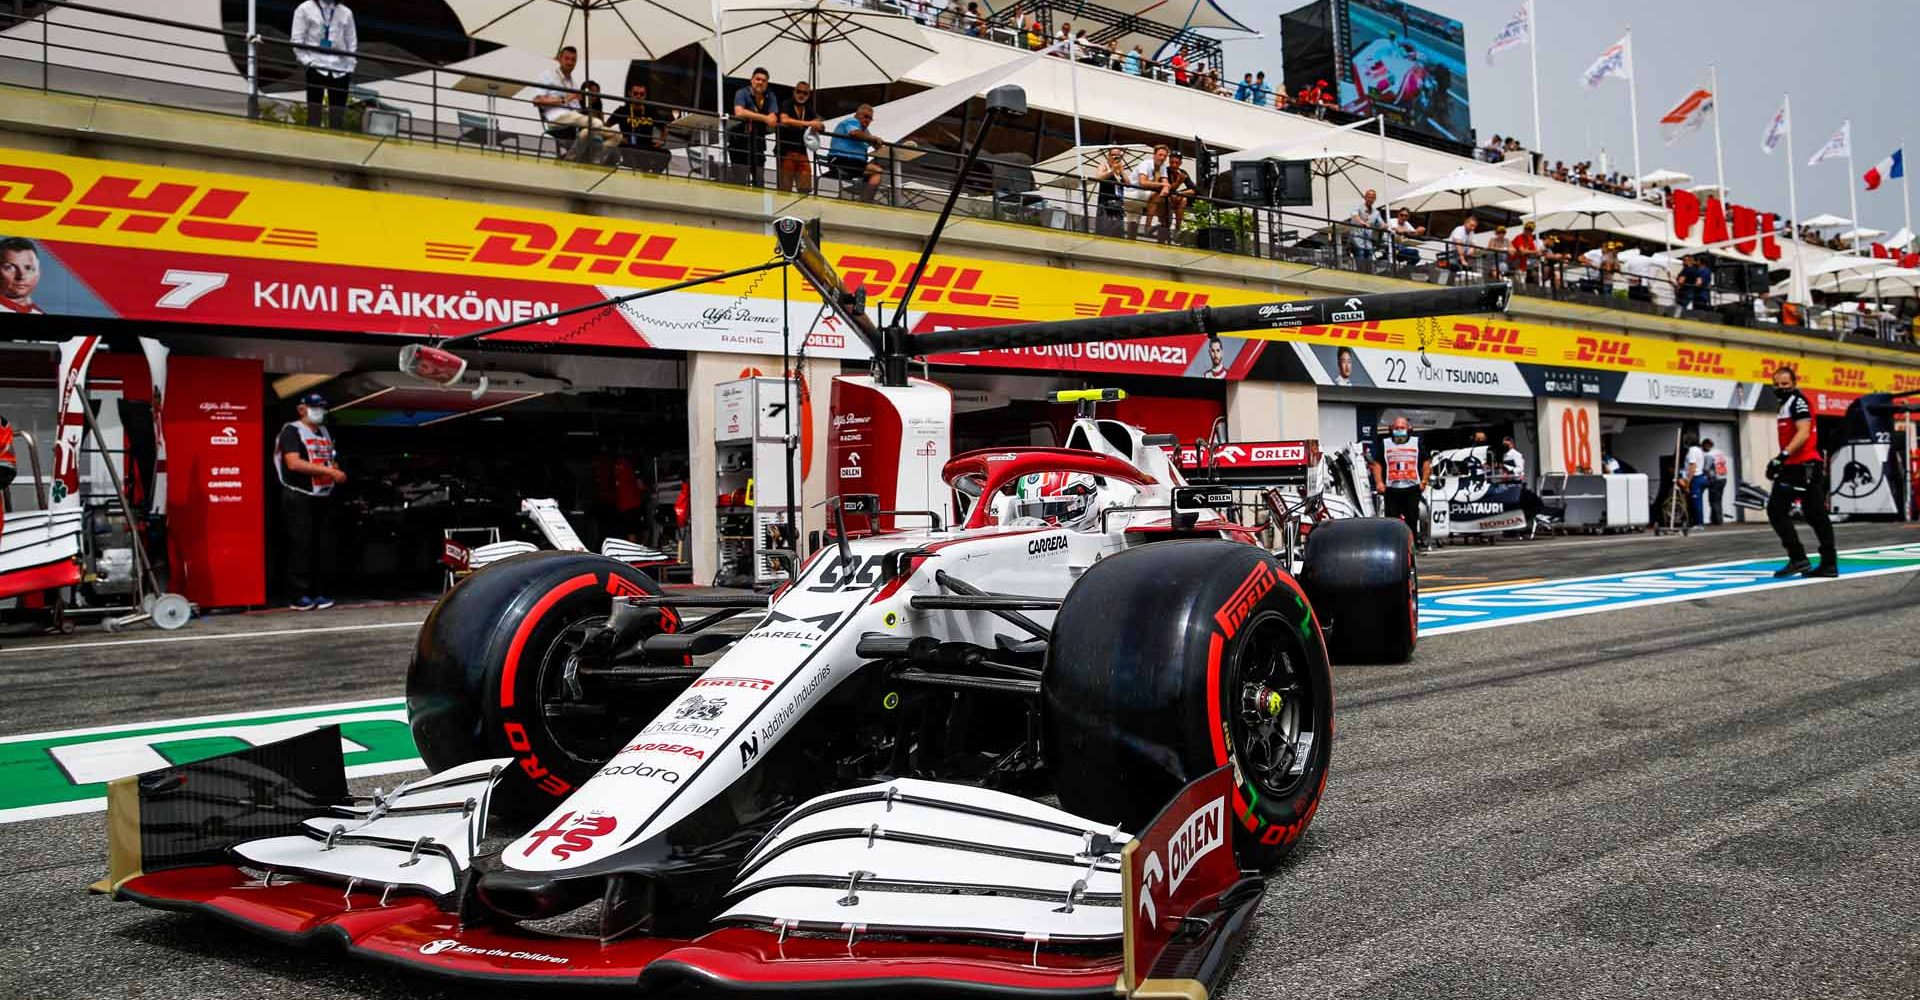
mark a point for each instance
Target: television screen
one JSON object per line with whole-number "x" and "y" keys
{"x": 1406, "y": 63}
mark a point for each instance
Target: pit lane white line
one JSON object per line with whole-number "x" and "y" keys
{"x": 61, "y": 647}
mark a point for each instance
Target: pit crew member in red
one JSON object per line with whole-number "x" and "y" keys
{"x": 1400, "y": 473}
{"x": 309, "y": 469}
{"x": 9, "y": 466}
{"x": 1798, "y": 473}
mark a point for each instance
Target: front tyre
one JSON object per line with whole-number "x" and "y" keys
{"x": 496, "y": 674}
{"x": 1172, "y": 659}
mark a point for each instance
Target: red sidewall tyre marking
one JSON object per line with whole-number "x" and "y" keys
{"x": 511, "y": 669}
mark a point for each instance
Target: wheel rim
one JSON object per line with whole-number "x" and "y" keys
{"x": 1275, "y": 708}
{"x": 588, "y": 730}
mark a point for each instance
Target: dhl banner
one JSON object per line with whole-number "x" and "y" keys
{"x": 154, "y": 243}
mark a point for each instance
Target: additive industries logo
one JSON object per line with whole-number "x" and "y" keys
{"x": 1203, "y": 833}
{"x": 1241, "y": 604}
{"x": 446, "y": 946}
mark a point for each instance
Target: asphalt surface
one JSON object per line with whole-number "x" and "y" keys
{"x": 1719, "y": 796}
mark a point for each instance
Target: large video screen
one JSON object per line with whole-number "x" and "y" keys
{"x": 1406, "y": 63}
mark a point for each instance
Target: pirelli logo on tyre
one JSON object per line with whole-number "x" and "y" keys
{"x": 1245, "y": 597}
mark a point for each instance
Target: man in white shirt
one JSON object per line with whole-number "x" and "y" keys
{"x": 1460, "y": 250}
{"x": 558, "y": 101}
{"x": 1515, "y": 462}
{"x": 1693, "y": 479}
{"x": 1366, "y": 218}
{"x": 326, "y": 27}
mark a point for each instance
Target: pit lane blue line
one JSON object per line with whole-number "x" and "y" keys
{"x": 1493, "y": 607}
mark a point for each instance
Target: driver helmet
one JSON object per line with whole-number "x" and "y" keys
{"x": 1062, "y": 498}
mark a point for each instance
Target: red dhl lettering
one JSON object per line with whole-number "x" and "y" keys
{"x": 1245, "y": 597}
{"x": 1606, "y": 350}
{"x": 1369, "y": 331}
{"x": 1850, "y": 378}
{"x": 128, "y": 204}
{"x": 1118, "y": 299}
{"x": 1489, "y": 339}
{"x": 886, "y": 282}
{"x": 518, "y": 243}
{"x": 1693, "y": 360}
{"x": 1905, "y": 383}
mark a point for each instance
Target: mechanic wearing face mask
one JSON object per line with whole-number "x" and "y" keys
{"x": 1799, "y": 474}
{"x": 1400, "y": 473}
{"x": 309, "y": 469}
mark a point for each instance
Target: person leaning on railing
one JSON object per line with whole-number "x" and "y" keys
{"x": 798, "y": 119}
{"x": 642, "y": 125}
{"x": 1112, "y": 201}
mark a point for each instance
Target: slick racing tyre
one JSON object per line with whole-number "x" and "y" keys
{"x": 1172, "y": 659}
{"x": 494, "y": 675}
{"x": 1360, "y": 576}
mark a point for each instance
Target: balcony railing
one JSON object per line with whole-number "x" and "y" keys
{"x": 74, "y": 48}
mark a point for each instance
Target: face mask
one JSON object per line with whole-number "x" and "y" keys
{"x": 316, "y": 415}
{"x": 1399, "y": 435}
{"x": 1782, "y": 395}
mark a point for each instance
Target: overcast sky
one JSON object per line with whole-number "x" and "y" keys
{"x": 1837, "y": 58}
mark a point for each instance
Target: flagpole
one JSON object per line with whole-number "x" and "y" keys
{"x": 1079, "y": 154}
{"x": 1533, "y": 58}
{"x": 1905, "y": 205}
{"x": 1798, "y": 286}
{"x": 1719, "y": 162}
{"x": 1853, "y": 202}
{"x": 1633, "y": 108}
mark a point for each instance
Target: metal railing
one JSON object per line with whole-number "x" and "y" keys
{"x": 80, "y": 49}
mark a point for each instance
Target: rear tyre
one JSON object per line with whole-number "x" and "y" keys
{"x": 1173, "y": 659}
{"x": 1360, "y": 575}
{"x": 493, "y": 675}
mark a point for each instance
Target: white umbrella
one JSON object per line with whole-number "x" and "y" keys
{"x": 1464, "y": 189}
{"x": 1616, "y": 215}
{"x": 607, "y": 29}
{"x": 1879, "y": 281}
{"x": 1866, "y": 233}
{"x": 1826, "y": 221}
{"x": 1062, "y": 169}
{"x": 1665, "y": 178}
{"x": 823, "y": 43}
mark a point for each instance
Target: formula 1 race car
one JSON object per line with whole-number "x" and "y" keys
{"x": 849, "y": 797}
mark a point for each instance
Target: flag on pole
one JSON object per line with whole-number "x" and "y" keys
{"x": 1686, "y": 116}
{"x": 1886, "y": 170}
{"x": 1776, "y": 130}
{"x": 1616, "y": 61}
{"x": 1518, "y": 32}
{"x": 1838, "y": 144}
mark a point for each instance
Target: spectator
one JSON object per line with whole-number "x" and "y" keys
{"x": 1460, "y": 250}
{"x": 643, "y": 132}
{"x": 849, "y": 157}
{"x": 328, "y": 27}
{"x": 1174, "y": 190}
{"x": 1498, "y": 249}
{"x": 1134, "y": 62}
{"x": 1717, "y": 467}
{"x": 1763, "y": 310}
{"x": 1112, "y": 178}
{"x": 1403, "y": 231}
{"x": 1280, "y": 98}
{"x": 1064, "y": 34}
{"x": 1243, "y": 91}
{"x": 1693, "y": 479}
{"x": 1262, "y": 93}
{"x": 1150, "y": 179}
{"x": 1491, "y": 151}
{"x": 797, "y": 119}
{"x": 590, "y": 100}
{"x": 559, "y": 104}
{"x": 1365, "y": 218}
{"x": 1694, "y": 279}
{"x": 1179, "y": 63}
{"x": 1523, "y": 254}
{"x": 756, "y": 113}
{"x": 1609, "y": 265}
{"x": 974, "y": 25}
{"x": 1036, "y": 35}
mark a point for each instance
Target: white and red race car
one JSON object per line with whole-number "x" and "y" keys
{"x": 1050, "y": 745}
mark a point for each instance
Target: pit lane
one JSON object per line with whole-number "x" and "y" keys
{"x": 1706, "y": 796}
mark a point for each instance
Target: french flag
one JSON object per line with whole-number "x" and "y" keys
{"x": 1886, "y": 170}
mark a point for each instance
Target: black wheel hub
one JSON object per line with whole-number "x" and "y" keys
{"x": 1274, "y": 719}
{"x": 580, "y": 719}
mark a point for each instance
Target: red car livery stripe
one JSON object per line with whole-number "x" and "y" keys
{"x": 526, "y": 628}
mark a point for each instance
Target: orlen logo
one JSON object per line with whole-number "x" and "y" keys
{"x": 1490, "y": 339}
{"x": 133, "y": 205}
{"x": 1848, "y": 377}
{"x": 1606, "y": 351}
{"x": 1704, "y": 362}
{"x": 1257, "y": 584}
{"x": 1203, "y": 833}
{"x": 518, "y": 243}
{"x": 886, "y": 282}
{"x": 226, "y": 436}
{"x": 1367, "y": 332}
{"x": 1119, "y": 299}
{"x": 1279, "y": 453}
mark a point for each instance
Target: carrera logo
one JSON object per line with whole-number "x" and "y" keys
{"x": 1046, "y": 545}
{"x": 677, "y": 748}
{"x": 754, "y": 683}
{"x": 1704, "y": 362}
{"x": 1606, "y": 351}
{"x": 518, "y": 243}
{"x": 1203, "y": 832}
{"x": 1368, "y": 332}
{"x": 1131, "y": 300}
{"x": 1847, "y": 377}
{"x": 134, "y": 205}
{"x": 886, "y": 282}
{"x": 1257, "y": 584}
{"x": 1490, "y": 339}
{"x": 448, "y": 946}
{"x": 574, "y": 834}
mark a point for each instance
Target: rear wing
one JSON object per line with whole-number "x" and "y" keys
{"x": 1248, "y": 463}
